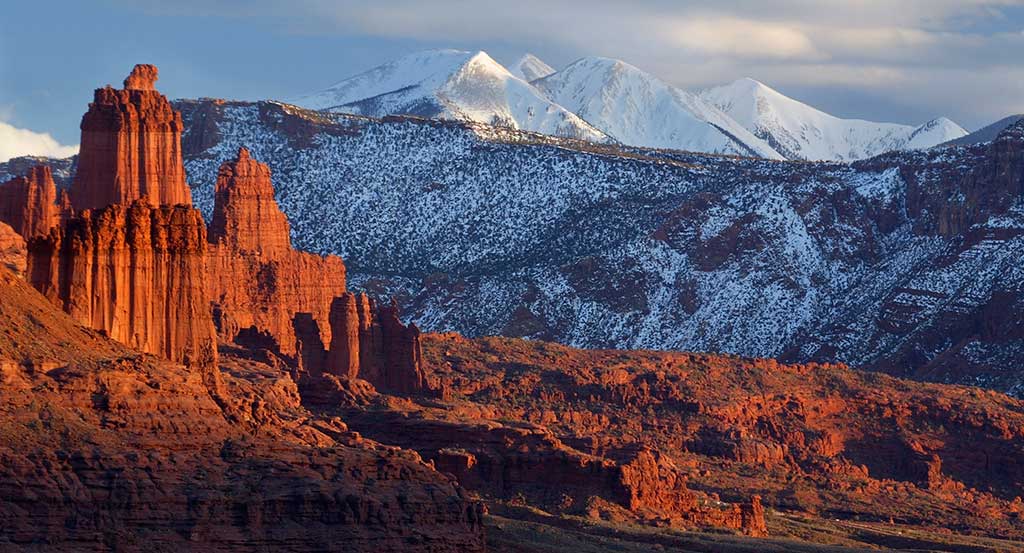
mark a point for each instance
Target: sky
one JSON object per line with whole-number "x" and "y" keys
{"x": 903, "y": 61}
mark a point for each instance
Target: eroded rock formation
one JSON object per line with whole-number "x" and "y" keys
{"x": 130, "y": 147}
{"x": 29, "y": 204}
{"x": 370, "y": 342}
{"x": 104, "y": 449}
{"x": 135, "y": 273}
{"x": 257, "y": 282}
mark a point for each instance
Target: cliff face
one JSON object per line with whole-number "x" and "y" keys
{"x": 12, "y": 250}
{"x": 135, "y": 273}
{"x": 257, "y": 282}
{"x": 29, "y": 204}
{"x": 130, "y": 147}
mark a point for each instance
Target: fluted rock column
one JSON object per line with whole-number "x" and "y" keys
{"x": 343, "y": 358}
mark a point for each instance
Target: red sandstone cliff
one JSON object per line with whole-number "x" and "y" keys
{"x": 130, "y": 147}
{"x": 104, "y": 449}
{"x": 257, "y": 282}
{"x": 131, "y": 262}
{"x": 29, "y": 204}
{"x": 135, "y": 273}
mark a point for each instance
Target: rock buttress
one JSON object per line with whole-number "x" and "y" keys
{"x": 29, "y": 204}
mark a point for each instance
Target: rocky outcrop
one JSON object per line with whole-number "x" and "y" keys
{"x": 29, "y": 204}
{"x": 13, "y": 255}
{"x": 130, "y": 147}
{"x": 370, "y": 342}
{"x": 135, "y": 273}
{"x": 246, "y": 218}
{"x": 257, "y": 282}
{"x": 671, "y": 430}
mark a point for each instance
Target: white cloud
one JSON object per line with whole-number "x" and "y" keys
{"x": 744, "y": 38}
{"x": 15, "y": 142}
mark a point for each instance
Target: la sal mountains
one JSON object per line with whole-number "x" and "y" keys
{"x": 178, "y": 371}
{"x": 602, "y": 99}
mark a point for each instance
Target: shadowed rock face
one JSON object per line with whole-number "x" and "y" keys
{"x": 130, "y": 147}
{"x": 12, "y": 250}
{"x": 29, "y": 204}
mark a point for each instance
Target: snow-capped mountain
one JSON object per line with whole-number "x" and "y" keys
{"x": 530, "y": 68}
{"x": 799, "y": 131}
{"x": 908, "y": 262}
{"x": 451, "y": 84}
{"x": 637, "y": 108}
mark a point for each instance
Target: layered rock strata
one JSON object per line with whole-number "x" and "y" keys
{"x": 104, "y": 449}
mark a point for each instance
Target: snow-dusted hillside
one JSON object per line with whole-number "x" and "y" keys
{"x": 638, "y": 109}
{"x": 451, "y": 84}
{"x": 530, "y": 68}
{"x": 908, "y": 263}
{"x": 799, "y": 131}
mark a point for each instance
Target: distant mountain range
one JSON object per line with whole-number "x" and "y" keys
{"x": 608, "y": 100}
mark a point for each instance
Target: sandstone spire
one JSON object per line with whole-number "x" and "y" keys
{"x": 257, "y": 282}
{"x": 131, "y": 147}
{"x": 131, "y": 261}
{"x": 245, "y": 216}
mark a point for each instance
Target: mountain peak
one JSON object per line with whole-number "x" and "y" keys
{"x": 530, "y": 68}
{"x": 455, "y": 85}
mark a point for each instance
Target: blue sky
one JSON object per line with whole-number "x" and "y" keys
{"x": 904, "y": 61}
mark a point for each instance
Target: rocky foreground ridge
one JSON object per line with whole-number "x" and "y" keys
{"x": 169, "y": 385}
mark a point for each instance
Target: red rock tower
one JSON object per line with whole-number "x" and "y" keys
{"x": 257, "y": 282}
{"x": 245, "y": 216}
{"x": 131, "y": 147}
{"x": 131, "y": 260}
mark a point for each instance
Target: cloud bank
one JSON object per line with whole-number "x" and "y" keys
{"x": 15, "y": 142}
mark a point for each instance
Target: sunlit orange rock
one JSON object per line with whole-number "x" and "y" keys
{"x": 130, "y": 147}
{"x": 257, "y": 282}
